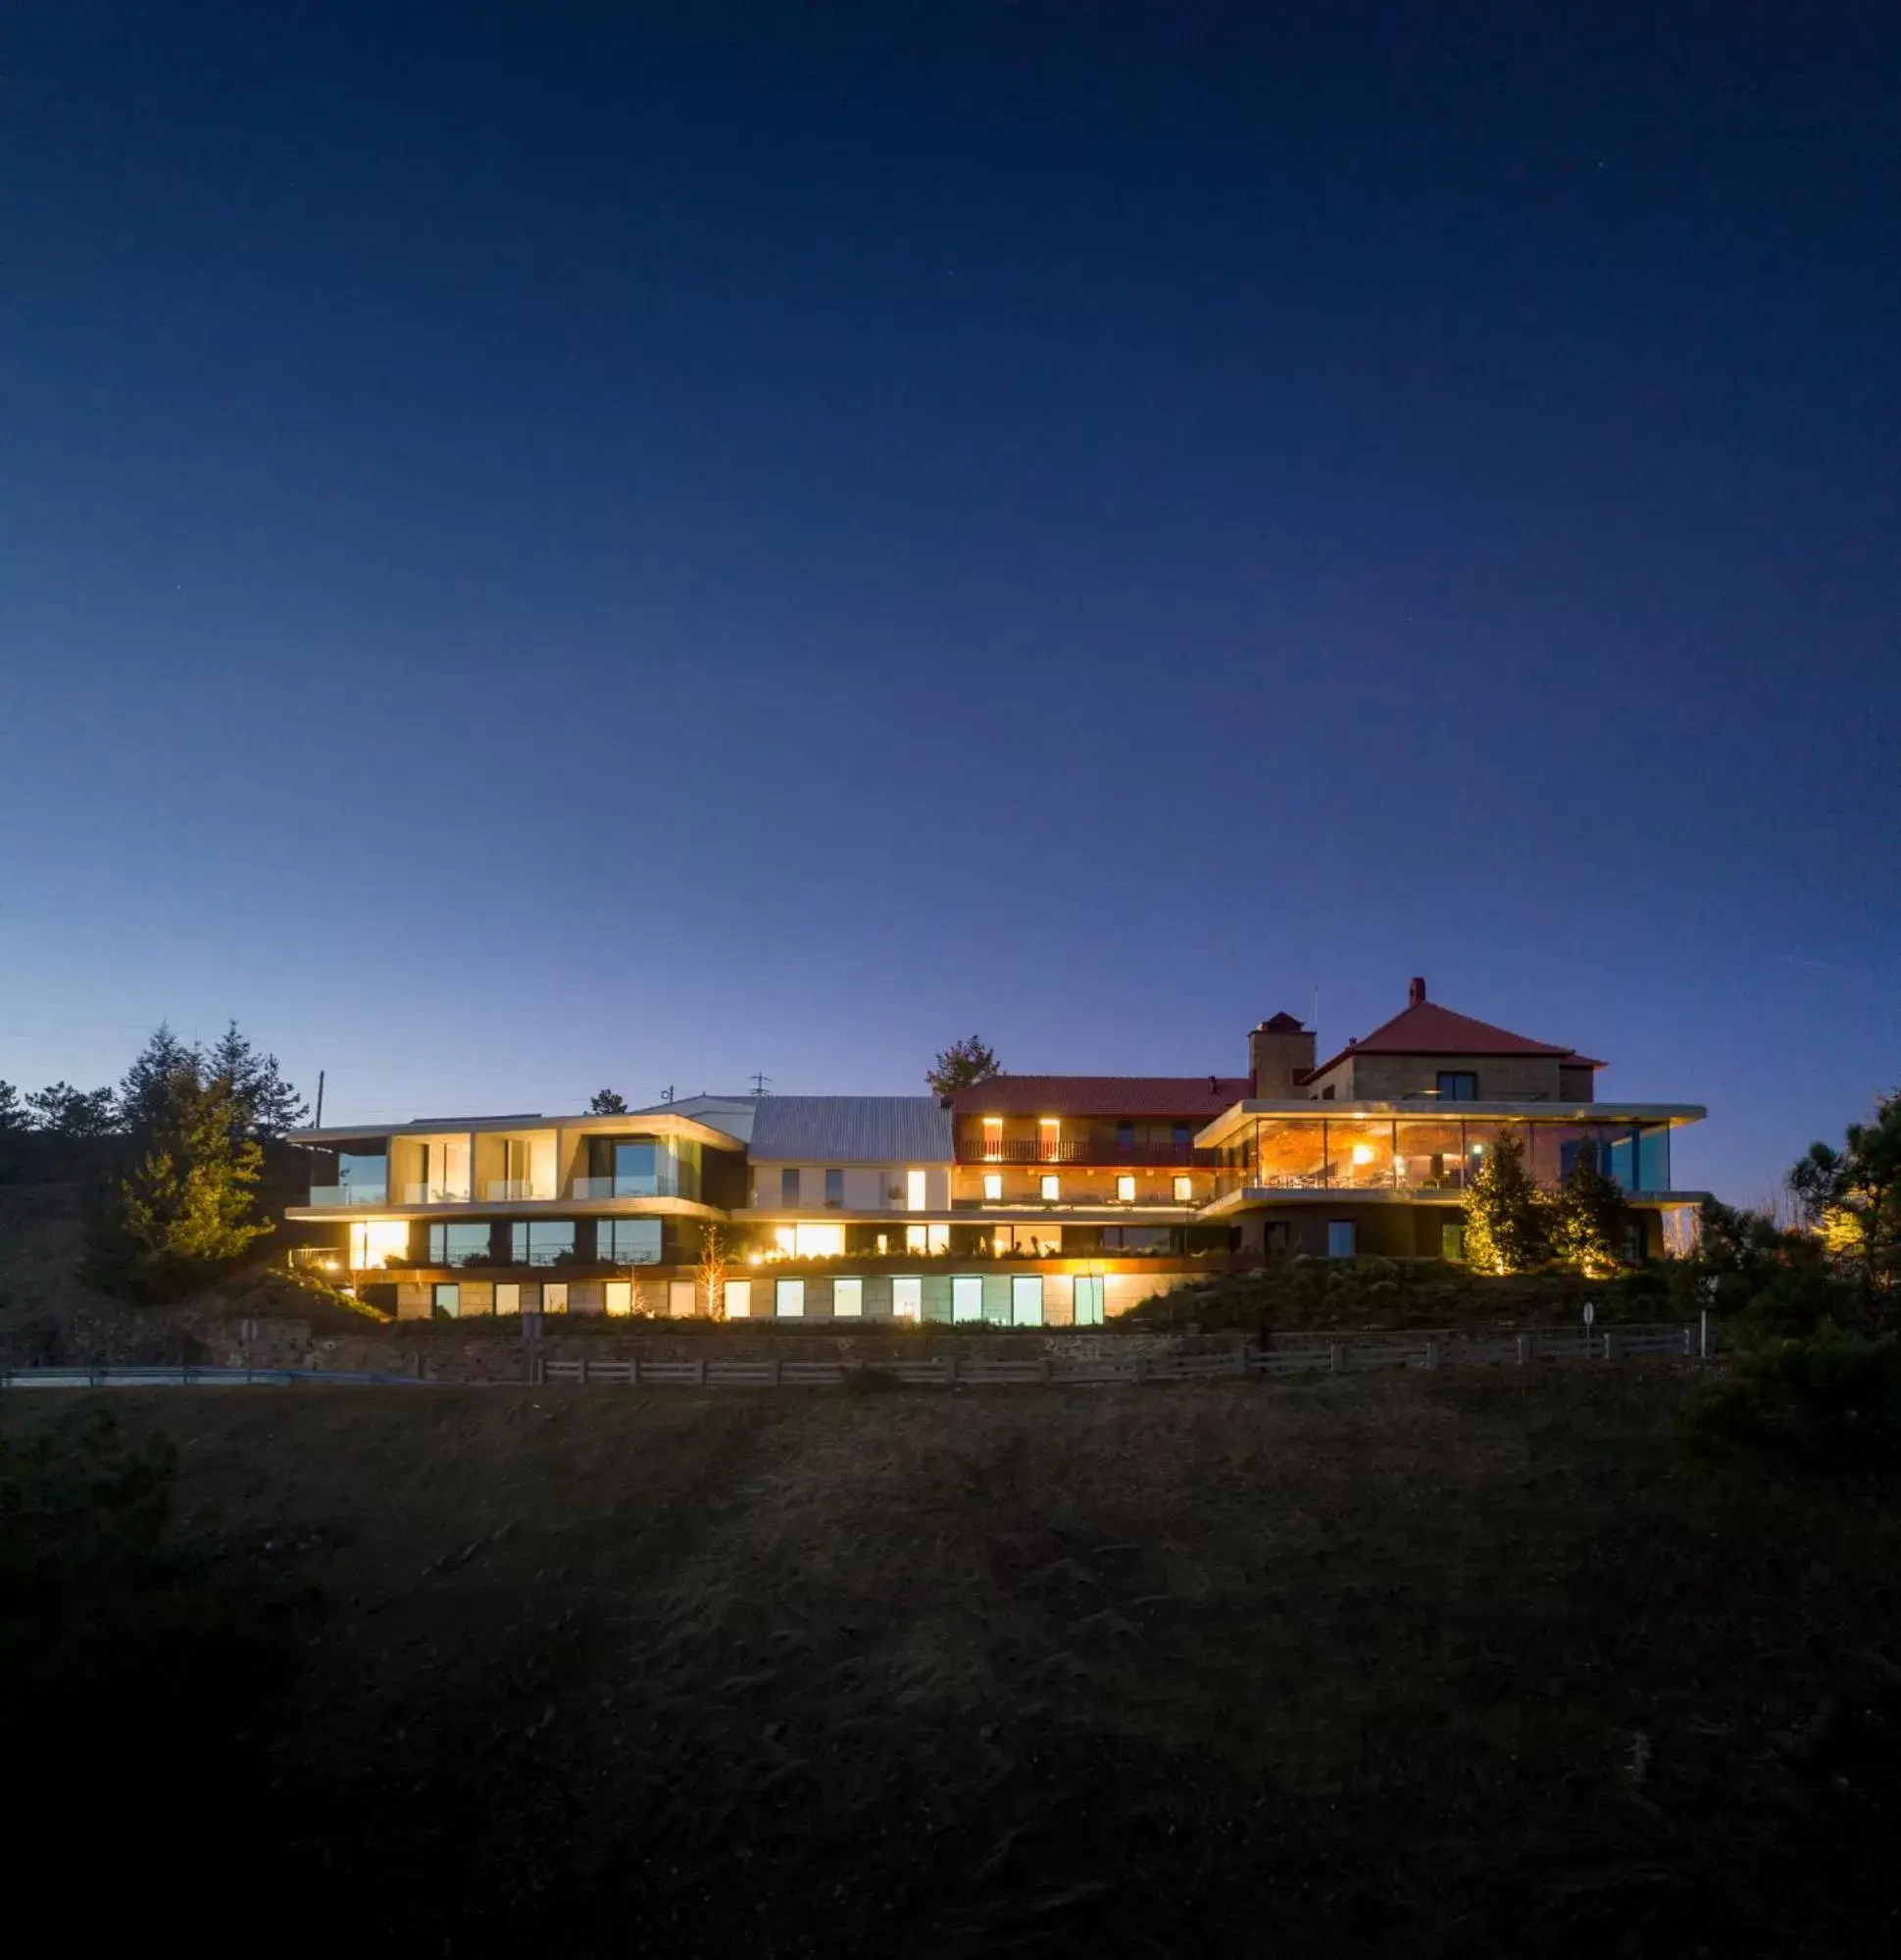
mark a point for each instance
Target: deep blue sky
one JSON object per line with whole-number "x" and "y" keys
{"x": 550, "y": 546}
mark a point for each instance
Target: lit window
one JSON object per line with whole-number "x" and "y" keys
{"x": 739, "y": 1299}
{"x": 967, "y": 1300}
{"x": 916, "y": 1190}
{"x": 907, "y": 1297}
{"x": 445, "y": 1300}
{"x": 620, "y": 1296}
{"x": 819, "y": 1241}
{"x": 1052, "y": 1189}
{"x": 927, "y": 1237}
{"x": 789, "y": 1299}
{"x": 848, "y": 1298}
{"x": 1126, "y": 1191}
{"x": 508, "y": 1297}
{"x": 1027, "y": 1299}
{"x": 993, "y": 1138}
{"x": 1049, "y": 1137}
{"x": 992, "y": 1187}
{"x": 554, "y": 1296}
{"x": 1185, "y": 1190}
{"x": 1088, "y": 1300}
{"x": 382, "y": 1241}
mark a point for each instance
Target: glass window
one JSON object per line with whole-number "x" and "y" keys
{"x": 1431, "y": 1156}
{"x": 1341, "y": 1238}
{"x": 789, "y": 1299}
{"x": 788, "y": 1185}
{"x": 1290, "y": 1155}
{"x": 1137, "y": 1239}
{"x": 629, "y": 1241}
{"x": 926, "y": 1238}
{"x": 508, "y": 1297}
{"x": 458, "y": 1245}
{"x": 907, "y": 1296}
{"x": 445, "y": 1300}
{"x": 1458, "y": 1085}
{"x": 1653, "y": 1157}
{"x": 992, "y": 1139}
{"x": 1125, "y": 1136}
{"x": 1185, "y": 1190}
{"x": 620, "y": 1296}
{"x": 379, "y": 1241}
{"x": 916, "y": 1190}
{"x": 1179, "y": 1138}
{"x": 1088, "y": 1299}
{"x": 364, "y": 1174}
{"x": 1052, "y": 1189}
{"x": 1359, "y": 1152}
{"x": 848, "y": 1298}
{"x": 542, "y": 1241}
{"x": 739, "y": 1299}
{"x": 966, "y": 1298}
{"x": 835, "y": 1188}
{"x": 1452, "y": 1240}
{"x": 1027, "y": 1299}
{"x": 992, "y": 1187}
{"x": 1124, "y": 1190}
{"x": 554, "y": 1297}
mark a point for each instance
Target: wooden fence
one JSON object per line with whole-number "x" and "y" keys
{"x": 1325, "y": 1353}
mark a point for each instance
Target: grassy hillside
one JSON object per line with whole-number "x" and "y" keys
{"x": 1435, "y": 1665}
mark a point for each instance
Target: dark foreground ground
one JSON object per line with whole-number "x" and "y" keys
{"x": 1452, "y": 1667}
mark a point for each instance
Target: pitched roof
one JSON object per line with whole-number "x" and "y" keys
{"x": 1200, "y": 1096}
{"x": 851, "y": 1130}
{"x": 1427, "y": 1029}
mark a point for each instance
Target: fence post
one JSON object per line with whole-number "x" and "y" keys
{"x": 422, "y": 1366}
{"x": 1607, "y": 1344}
{"x": 1240, "y": 1358}
{"x": 950, "y": 1368}
{"x": 1689, "y": 1342}
{"x": 779, "y": 1371}
{"x": 1703, "y": 1346}
{"x": 583, "y": 1371}
{"x": 699, "y": 1371}
{"x": 1141, "y": 1367}
{"x": 633, "y": 1370}
{"x": 1524, "y": 1349}
{"x": 1049, "y": 1369}
{"x": 1336, "y": 1357}
{"x": 1432, "y": 1354}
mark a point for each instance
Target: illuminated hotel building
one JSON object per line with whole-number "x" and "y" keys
{"x": 1056, "y": 1200}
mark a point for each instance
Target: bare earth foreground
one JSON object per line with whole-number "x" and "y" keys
{"x": 1427, "y": 1666}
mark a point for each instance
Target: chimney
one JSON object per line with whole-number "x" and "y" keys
{"x": 1279, "y": 1051}
{"x": 1416, "y": 993}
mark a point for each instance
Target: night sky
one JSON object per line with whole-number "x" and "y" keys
{"x": 551, "y": 546}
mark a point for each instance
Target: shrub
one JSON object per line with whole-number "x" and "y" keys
{"x": 1828, "y": 1398}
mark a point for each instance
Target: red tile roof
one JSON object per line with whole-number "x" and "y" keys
{"x": 1197, "y": 1096}
{"x": 1428, "y": 1029}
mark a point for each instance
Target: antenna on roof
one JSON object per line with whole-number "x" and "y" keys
{"x": 759, "y": 1081}
{"x": 1317, "y": 1010}
{"x": 667, "y": 1094}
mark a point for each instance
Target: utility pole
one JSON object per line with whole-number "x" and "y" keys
{"x": 759, "y": 1081}
{"x": 318, "y": 1123}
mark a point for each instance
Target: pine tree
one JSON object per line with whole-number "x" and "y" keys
{"x": 142, "y": 1091}
{"x": 1506, "y": 1228}
{"x": 267, "y": 1104}
{"x": 607, "y": 1102}
{"x": 959, "y": 1065}
{"x": 13, "y": 1112}
{"x": 64, "y": 1111}
{"x": 1590, "y": 1219}
{"x": 184, "y": 1209}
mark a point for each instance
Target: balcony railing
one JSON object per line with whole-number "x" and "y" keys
{"x": 506, "y": 1190}
{"x": 659, "y": 1186}
{"x": 1107, "y": 1155}
{"x": 433, "y": 1193}
{"x": 349, "y": 1195}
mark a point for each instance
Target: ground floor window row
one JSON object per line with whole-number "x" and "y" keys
{"x": 997, "y": 1299}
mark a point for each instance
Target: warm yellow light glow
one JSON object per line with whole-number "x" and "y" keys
{"x": 810, "y": 1241}
{"x": 916, "y": 1190}
{"x": 377, "y": 1241}
{"x": 993, "y": 1187}
{"x": 1126, "y": 1191}
{"x": 1363, "y": 1153}
{"x": 1185, "y": 1190}
{"x": 1052, "y": 1189}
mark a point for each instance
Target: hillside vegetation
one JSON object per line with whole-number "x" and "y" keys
{"x": 1429, "y": 1667}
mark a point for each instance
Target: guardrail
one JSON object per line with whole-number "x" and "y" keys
{"x": 129, "y": 1377}
{"x": 1320, "y": 1353}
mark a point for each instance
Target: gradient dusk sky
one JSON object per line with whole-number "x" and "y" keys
{"x": 552, "y": 546}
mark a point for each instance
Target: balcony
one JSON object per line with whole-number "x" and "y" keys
{"x": 435, "y": 1193}
{"x": 659, "y": 1185}
{"x": 1105, "y": 1154}
{"x": 349, "y": 1195}
{"x": 512, "y": 1190}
